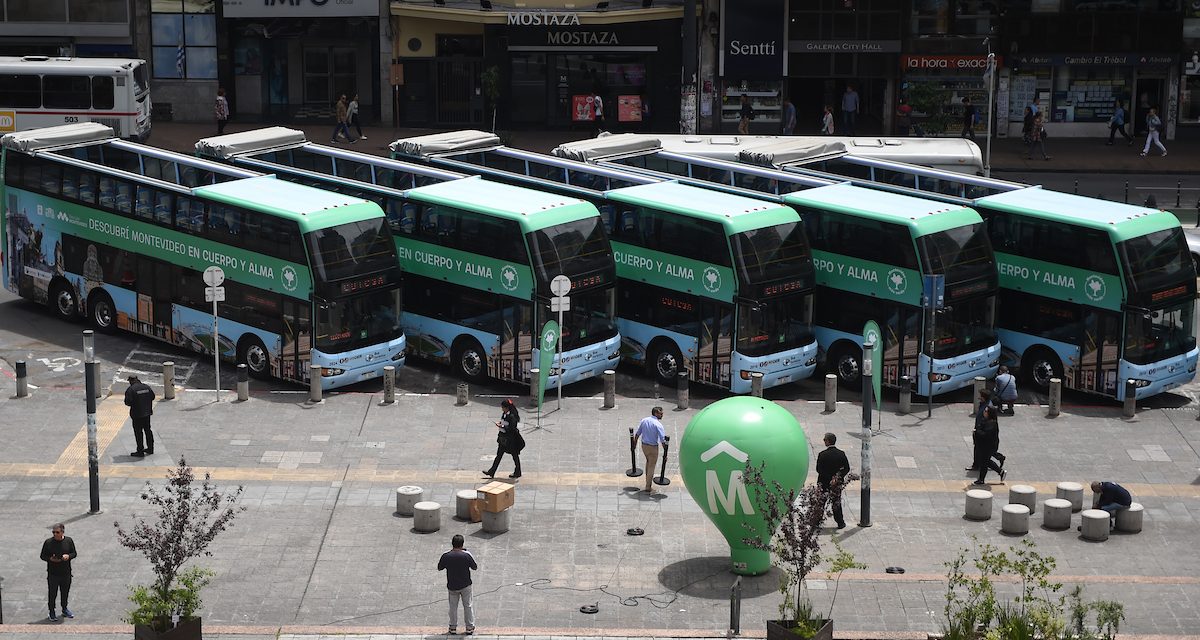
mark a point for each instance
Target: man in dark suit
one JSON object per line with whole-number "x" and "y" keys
{"x": 832, "y": 467}
{"x": 139, "y": 397}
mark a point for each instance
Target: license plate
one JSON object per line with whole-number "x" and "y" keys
{"x": 368, "y": 375}
{"x": 585, "y": 374}
{"x": 784, "y": 379}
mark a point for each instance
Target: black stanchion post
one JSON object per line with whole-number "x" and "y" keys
{"x": 22, "y": 379}
{"x": 90, "y": 374}
{"x": 662, "y": 479}
{"x": 735, "y": 608}
{"x": 1178, "y": 192}
{"x": 1076, "y": 187}
{"x": 633, "y": 470}
{"x": 1126, "y": 192}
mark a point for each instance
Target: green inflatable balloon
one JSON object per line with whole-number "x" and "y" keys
{"x": 713, "y": 454}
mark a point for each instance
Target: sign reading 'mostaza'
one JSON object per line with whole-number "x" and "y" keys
{"x": 1059, "y": 281}
{"x": 468, "y": 269}
{"x": 867, "y": 278}
{"x": 196, "y": 253}
{"x": 673, "y": 272}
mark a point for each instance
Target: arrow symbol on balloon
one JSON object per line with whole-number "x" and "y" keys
{"x": 727, "y": 449}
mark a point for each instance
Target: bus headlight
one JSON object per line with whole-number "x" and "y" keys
{"x": 812, "y": 362}
{"x": 1139, "y": 383}
{"x": 399, "y": 355}
{"x": 614, "y": 355}
{"x": 330, "y": 372}
{"x": 941, "y": 377}
{"x": 745, "y": 374}
{"x": 1192, "y": 367}
{"x": 994, "y": 363}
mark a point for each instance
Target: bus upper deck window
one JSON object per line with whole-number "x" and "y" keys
{"x": 162, "y": 209}
{"x": 70, "y": 183}
{"x": 628, "y": 222}
{"x": 87, "y": 187}
{"x": 608, "y": 214}
{"x": 124, "y": 197}
{"x": 429, "y": 221}
{"x": 108, "y": 193}
{"x": 145, "y": 203}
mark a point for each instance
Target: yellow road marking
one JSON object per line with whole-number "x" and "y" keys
{"x": 110, "y": 417}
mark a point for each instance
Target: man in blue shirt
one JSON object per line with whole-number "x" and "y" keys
{"x": 651, "y": 433}
{"x": 458, "y": 563}
{"x": 849, "y": 109}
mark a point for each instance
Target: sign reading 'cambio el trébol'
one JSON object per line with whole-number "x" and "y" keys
{"x": 753, "y": 39}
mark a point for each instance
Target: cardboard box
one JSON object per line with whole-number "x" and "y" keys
{"x": 495, "y": 497}
{"x": 475, "y": 511}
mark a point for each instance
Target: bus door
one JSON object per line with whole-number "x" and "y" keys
{"x": 712, "y": 363}
{"x": 154, "y": 295}
{"x": 1100, "y": 352}
{"x": 516, "y": 341}
{"x": 295, "y": 353}
{"x": 901, "y": 343}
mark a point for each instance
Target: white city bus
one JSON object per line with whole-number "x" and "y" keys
{"x": 38, "y": 91}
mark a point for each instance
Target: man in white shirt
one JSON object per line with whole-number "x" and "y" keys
{"x": 651, "y": 433}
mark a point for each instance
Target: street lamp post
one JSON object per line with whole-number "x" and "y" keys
{"x": 89, "y": 377}
{"x": 991, "y": 78}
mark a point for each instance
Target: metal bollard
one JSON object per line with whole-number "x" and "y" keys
{"x": 1129, "y": 409}
{"x": 314, "y": 382}
{"x": 22, "y": 379}
{"x": 830, "y": 392}
{"x": 905, "y": 394}
{"x": 756, "y": 385}
{"x": 243, "y": 383}
{"x": 977, "y": 386}
{"x": 389, "y": 384}
{"x": 1055, "y": 397}
{"x": 610, "y": 388}
{"x": 168, "y": 380}
{"x": 534, "y": 375}
{"x": 735, "y": 608}
{"x": 1126, "y": 192}
{"x": 463, "y": 394}
{"x": 1178, "y": 193}
{"x": 1076, "y": 187}
{"x": 681, "y": 393}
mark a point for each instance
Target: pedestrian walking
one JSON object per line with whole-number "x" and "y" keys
{"x": 458, "y": 564}
{"x": 1153, "y": 126}
{"x": 352, "y": 117}
{"x": 832, "y": 468}
{"x": 139, "y": 397}
{"x": 57, "y": 552}
{"x": 1004, "y": 393}
{"x": 1034, "y": 133}
{"x": 221, "y": 110}
{"x": 343, "y": 110}
{"x": 986, "y": 437}
{"x": 651, "y": 434}
{"x": 903, "y": 118}
{"x": 509, "y": 439}
{"x": 745, "y": 115}
{"x": 1117, "y": 123}
{"x": 1035, "y": 106}
{"x": 827, "y": 121}
{"x": 969, "y": 116}
{"x": 849, "y": 109}
{"x": 789, "y": 117}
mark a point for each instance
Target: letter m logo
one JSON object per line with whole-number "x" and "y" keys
{"x": 734, "y": 496}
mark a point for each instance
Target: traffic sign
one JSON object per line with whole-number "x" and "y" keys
{"x": 214, "y": 294}
{"x": 561, "y": 303}
{"x": 214, "y": 276}
{"x": 560, "y": 286}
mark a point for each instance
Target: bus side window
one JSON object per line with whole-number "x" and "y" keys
{"x": 608, "y": 214}
{"x": 628, "y": 223}
{"x": 103, "y": 96}
{"x": 145, "y": 203}
{"x": 162, "y": 208}
{"x": 70, "y": 183}
{"x": 51, "y": 178}
{"x": 108, "y": 192}
{"x": 189, "y": 215}
{"x": 429, "y": 221}
{"x": 87, "y": 187}
{"x": 124, "y": 197}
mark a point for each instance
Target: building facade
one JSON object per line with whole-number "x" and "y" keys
{"x": 66, "y": 28}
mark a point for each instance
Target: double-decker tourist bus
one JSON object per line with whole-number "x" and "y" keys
{"x": 40, "y": 91}
{"x": 717, "y": 285}
{"x": 121, "y": 233}
{"x": 1093, "y": 292}
{"x": 478, "y": 256}
{"x": 873, "y": 252}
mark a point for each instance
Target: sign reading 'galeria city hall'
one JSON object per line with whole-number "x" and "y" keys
{"x": 753, "y": 39}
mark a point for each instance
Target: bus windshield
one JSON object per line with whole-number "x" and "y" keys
{"x": 352, "y": 249}
{"x": 588, "y": 321}
{"x": 1160, "y": 334}
{"x": 965, "y": 326}
{"x": 351, "y": 323}
{"x": 776, "y": 325}
{"x": 773, "y": 253}
{"x": 140, "y": 85}
{"x": 572, "y": 248}
{"x": 961, "y": 254}
{"x": 1155, "y": 261}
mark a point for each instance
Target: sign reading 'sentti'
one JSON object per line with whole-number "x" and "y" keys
{"x": 753, "y": 39}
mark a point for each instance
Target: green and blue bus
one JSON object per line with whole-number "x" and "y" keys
{"x": 478, "y": 256}
{"x": 719, "y": 286}
{"x": 120, "y": 234}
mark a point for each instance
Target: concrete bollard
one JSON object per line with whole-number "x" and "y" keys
{"x": 462, "y": 395}
{"x": 1071, "y": 492}
{"x": 463, "y": 501}
{"x": 1023, "y": 494}
{"x": 22, "y": 379}
{"x": 978, "y": 386}
{"x": 497, "y": 521}
{"x": 314, "y": 382}
{"x": 681, "y": 390}
{"x": 1056, "y": 514}
{"x": 979, "y": 504}
{"x": 1129, "y": 409}
{"x": 905, "y": 394}
{"x": 830, "y": 392}
{"x": 427, "y": 517}
{"x": 534, "y": 374}
{"x": 406, "y": 497}
{"x": 1095, "y": 525}
{"x": 1014, "y": 519}
{"x": 389, "y": 385}
{"x": 243, "y": 383}
{"x": 1130, "y": 520}
{"x": 1055, "y": 398}
{"x": 168, "y": 380}
{"x": 756, "y": 384}
{"x": 610, "y": 388}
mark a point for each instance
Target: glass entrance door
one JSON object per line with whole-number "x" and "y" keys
{"x": 328, "y": 73}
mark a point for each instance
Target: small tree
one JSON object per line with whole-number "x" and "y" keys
{"x": 491, "y": 90}
{"x": 189, "y": 519}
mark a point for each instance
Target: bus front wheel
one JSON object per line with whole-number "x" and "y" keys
{"x": 1040, "y": 366}
{"x": 103, "y": 314}
{"x": 254, "y": 355}
{"x": 63, "y": 301}
{"x": 665, "y": 363}
{"x": 846, "y": 363}
{"x": 469, "y": 361}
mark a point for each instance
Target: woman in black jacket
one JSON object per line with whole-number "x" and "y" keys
{"x": 509, "y": 439}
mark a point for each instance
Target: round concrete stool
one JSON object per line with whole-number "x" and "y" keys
{"x": 427, "y": 516}
{"x": 1056, "y": 514}
{"x": 979, "y": 504}
{"x": 1023, "y": 494}
{"x": 1095, "y": 525}
{"x": 406, "y": 497}
{"x": 1072, "y": 492}
{"x": 462, "y": 505}
{"x": 1015, "y": 519}
{"x": 1130, "y": 520}
{"x": 497, "y": 521}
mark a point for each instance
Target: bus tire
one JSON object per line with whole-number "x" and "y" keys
{"x": 664, "y": 362}
{"x": 254, "y": 355}
{"x": 102, "y": 314}
{"x": 845, "y": 362}
{"x": 469, "y": 360}
{"x": 63, "y": 301}
{"x": 1039, "y": 365}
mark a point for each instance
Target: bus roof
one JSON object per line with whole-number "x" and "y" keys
{"x": 247, "y": 142}
{"x": 920, "y": 215}
{"x": 1120, "y": 221}
{"x": 607, "y": 146}
{"x": 505, "y": 201}
{"x": 312, "y": 208}
{"x": 67, "y": 135}
{"x": 735, "y": 213}
{"x": 449, "y": 142}
{"x": 44, "y": 64}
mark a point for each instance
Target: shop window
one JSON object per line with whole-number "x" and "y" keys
{"x": 184, "y": 38}
{"x": 98, "y": 10}
{"x": 37, "y": 11}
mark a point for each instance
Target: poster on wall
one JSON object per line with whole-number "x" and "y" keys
{"x": 629, "y": 108}
{"x": 581, "y": 109}
{"x": 247, "y": 59}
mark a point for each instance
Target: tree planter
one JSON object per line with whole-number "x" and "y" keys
{"x": 186, "y": 630}
{"x": 785, "y": 630}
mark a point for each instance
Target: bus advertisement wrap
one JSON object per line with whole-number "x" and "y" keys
{"x": 674, "y": 272}
{"x": 1060, "y": 282}
{"x": 867, "y": 278}
{"x": 460, "y": 267}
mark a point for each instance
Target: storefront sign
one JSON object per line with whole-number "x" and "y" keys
{"x": 844, "y": 46}
{"x": 754, "y": 39}
{"x": 542, "y": 18}
{"x": 581, "y": 108}
{"x": 966, "y": 63}
{"x": 629, "y": 108}
{"x": 298, "y": 8}
{"x": 549, "y": 36}
{"x": 1097, "y": 60}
